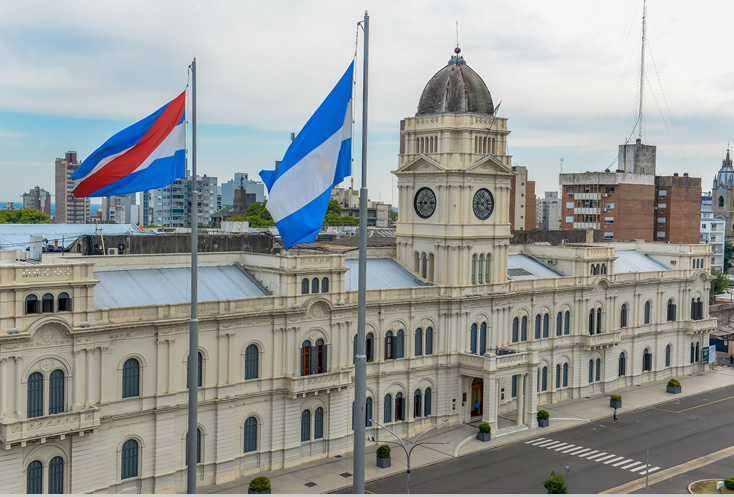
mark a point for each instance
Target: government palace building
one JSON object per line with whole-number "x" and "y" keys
{"x": 461, "y": 325}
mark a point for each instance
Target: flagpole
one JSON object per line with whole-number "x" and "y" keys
{"x": 193, "y": 371}
{"x": 360, "y": 359}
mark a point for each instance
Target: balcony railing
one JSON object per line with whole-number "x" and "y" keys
{"x": 49, "y": 426}
{"x": 301, "y": 385}
{"x": 600, "y": 340}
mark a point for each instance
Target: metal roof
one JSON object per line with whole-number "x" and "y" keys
{"x": 381, "y": 273}
{"x": 631, "y": 261}
{"x": 172, "y": 285}
{"x": 522, "y": 267}
{"x": 18, "y": 236}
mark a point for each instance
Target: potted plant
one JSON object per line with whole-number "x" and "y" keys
{"x": 383, "y": 456}
{"x": 259, "y": 485}
{"x": 673, "y": 386}
{"x": 543, "y": 418}
{"x": 555, "y": 484}
{"x": 485, "y": 432}
{"x": 615, "y": 400}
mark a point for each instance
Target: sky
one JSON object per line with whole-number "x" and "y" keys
{"x": 566, "y": 71}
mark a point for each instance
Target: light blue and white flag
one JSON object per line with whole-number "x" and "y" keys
{"x": 319, "y": 158}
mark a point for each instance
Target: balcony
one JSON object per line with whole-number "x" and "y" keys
{"x": 590, "y": 342}
{"x": 702, "y": 325}
{"x": 49, "y": 426}
{"x": 512, "y": 360}
{"x": 302, "y": 385}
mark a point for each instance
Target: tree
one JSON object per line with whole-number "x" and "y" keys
{"x": 555, "y": 484}
{"x": 728, "y": 256}
{"x": 334, "y": 208}
{"x": 719, "y": 285}
{"x": 259, "y": 209}
{"x": 24, "y": 216}
{"x": 393, "y": 216}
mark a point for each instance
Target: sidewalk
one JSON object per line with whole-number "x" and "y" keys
{"x": 335, "y": 473}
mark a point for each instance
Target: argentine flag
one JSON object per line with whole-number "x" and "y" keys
{"x": 319, "y": 158}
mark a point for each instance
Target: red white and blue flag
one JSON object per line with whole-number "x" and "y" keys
{"x": 149, "y": 154}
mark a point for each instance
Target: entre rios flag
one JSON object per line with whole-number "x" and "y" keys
{"x": 319, "y": 158}
{"x": 149, "y": 154}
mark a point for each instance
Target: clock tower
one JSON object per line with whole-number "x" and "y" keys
{"x": 454, "y": 178}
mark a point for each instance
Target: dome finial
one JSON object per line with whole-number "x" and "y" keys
{"x": 457, "y": 50}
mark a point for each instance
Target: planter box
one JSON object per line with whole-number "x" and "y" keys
{"x": 383, "y": 462}
{"x": 251, "y": 491}
{"x": 543, "y": 422}
{"x": 615, "y": 403}
{"x": 670, "y": 389}
{"x": 484, "y": 437}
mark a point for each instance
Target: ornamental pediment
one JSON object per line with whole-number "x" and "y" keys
{"x": 421, "y": 164}
{"x": 489, "y": 164}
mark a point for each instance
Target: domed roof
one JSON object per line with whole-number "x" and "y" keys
{"x": 455, "y": 89}
{"x": 725, "y": 177}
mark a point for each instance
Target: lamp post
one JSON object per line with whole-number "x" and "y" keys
{"x": 414, "y": 443}
{"x": 567, "y": 467}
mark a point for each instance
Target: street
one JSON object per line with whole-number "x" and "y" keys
{"x": 601, "y": 455}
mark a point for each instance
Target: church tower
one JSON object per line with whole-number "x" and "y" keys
{"x": 454, "y": 178}
{"x": 722, "y": 200}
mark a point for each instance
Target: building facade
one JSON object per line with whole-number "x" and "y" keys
{"x": 722, "y": 198}
{"x": 122, "y": 209}
{"x": 460, "y": 325}
{"x": 68, "y": 208}
{"x": 254, "y": 189}
{"x": 37, "y": 198}
{"x": 172, "y": 204}
{"x": 548, "y": 212}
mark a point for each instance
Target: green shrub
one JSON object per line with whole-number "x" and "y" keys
{"x": 729, "y": 483}
{"x": 383, "y": 451}
{"x": 673, "y": 382}
{"x": 615, "y": 396}
{"x": 259, "y": 483}
{"x": 485, "y": 428}
{"x": 543, "y": 414}
{"x": 555, "y": 484}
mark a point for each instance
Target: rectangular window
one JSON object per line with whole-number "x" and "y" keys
{"x": 663, "y": 193}
{"x": 661, "y": 220}
{"x": 569, "y": 219}
{"x": 662, "y": 206}
{"x": 608, "y": 234}
{"x": 609, "y": 205}
{"x": 609, "y": 220}
{"x": 569, "y": 205}
{"x": 661, "y": 234}
{"x": 514, "y": 386}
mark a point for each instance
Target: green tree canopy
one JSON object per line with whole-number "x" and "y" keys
{"x": 24, "y": 216}
{"x": 555, "y": 484}
{"x": 334, "y": 208}
{"x": 719, "y": 285}
{"x": 259, "y": 209}
{"x": 728, "y": 255}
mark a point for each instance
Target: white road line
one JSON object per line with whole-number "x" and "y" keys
{"x": 550, "y": 446}
{"x": 610, "y": 461}
{"x": 628, "y": 463}
{"x": 651, "y": 470}
{"x": 569, "y": 449}
{"x": 549, "y": 442}
{"x": 559, "y": 447}
{"x": 605, "y": 457}
{"x": 591, "y": 458}
{"x": 579, "y": 452}
{"x": 621, "y": 462}
{"x": 537, "y": 440}
{"x": 635, "y": 467}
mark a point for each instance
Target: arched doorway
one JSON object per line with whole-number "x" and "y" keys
{"x": 477, "y": 397}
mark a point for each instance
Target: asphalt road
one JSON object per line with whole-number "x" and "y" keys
{"x": 677, "y": 432}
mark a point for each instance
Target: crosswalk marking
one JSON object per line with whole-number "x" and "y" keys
{"x": 621, "y": 462}
{"x": 536, "y": 441}
{"x": 593, "y": 455}
{"x": 560, "y": 447}
{"x": 591, "y": 458}
{"x": 569, "y": 449}
{"x": 632, "y": 465}
{"x": 610, "y": 461}
{"x": 579, "y": 451}
{"x": 551, "y": 445}
{"x": 549, "y": 442}
{"x": 650, "y": 471}
{"x": 605, "y": 458}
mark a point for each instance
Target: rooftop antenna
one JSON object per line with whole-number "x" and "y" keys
{"x": 457, "y": 34}
{"x": 561, "y": 165}
{"x": 642, "y": 66}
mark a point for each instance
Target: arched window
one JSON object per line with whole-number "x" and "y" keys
{"x": 56, "y": 476}
{"x": 546, "y": 325}
{"x": 598, "y": 321}
{"x": 559, "y": 324}
{"x": 387, "y": 409}
{"x": 699, "y": 308}
{"x": 304, "y": 286}
{"x": 622, "y": 364}
{"x": 483, "y": 339}
{"x": 250, "y": 435}
{"x": 667, "y": 356}
{"x": 252, "y": 357}
{"x": 591, "y": 322}
{"x": 306, "y": 359}
{"x": 591, "y": 270}
{"x": 544, "y": 379}
{"x": 524, "y": 329}
{"x": 429, "y": 341}
{"x": 473, "y": 339}
{"x": 565, "y": 375}
{"x": 369, "y": 346}
{"x": 47, "y": 303}
{"x": 389, "y": 345}
{"x": 671, "y": 310}
{"x": 399, "y": 339}
{"x": 399, "y": 407}
{"x": 567, "y": 323}
{"x": 64, "y": 302}
{"x": 623, "y": 316}
{"x": 417, "y": 404}
{"x": 486, "y": 268}
{"x": 129, "y": 460}
{"x": 315, "y": 285}
{"x": 424, "y": 260}
{"x": 324, "y": 285}
{"x": 514, "y": 330}
{"x": 481, "y": 268}
{"x": 598, "y": 369}
{"x": 692, "y": 352}
{"x": 56, "y": 392}
{"x": 306, "y": 425}
{"x": 427, "y": 402}
{"x": 368, "y": 412}
{"x": 558, "y": 376}
{"x": 591, "y": 370}
{"x": 603, "y": 269}
{"x": 31, "y": 304}
{"x": 198, "y": 447}
{"x": 130, "y": 378}
{"x": 34, "y": 478}
{"x": 35, "y": 395}
{"x": 646, "y": 360}
{"x": 647, "y": 312}
{"x": 200, "y": 372}
{"x": 418, "y": 342}
{"x": 318, "y": 421}
{"x": 537, "y": 326}
{"x": 321, "y": 364}
{"x": 693, "y": 309}
{"x": 721, "y": 201}
{"x": 473, "y": 269}
{"x": 697, "y": 351}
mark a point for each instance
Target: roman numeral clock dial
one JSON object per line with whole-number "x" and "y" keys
{"x": 483, "y": 204}
{"x": 425, "y": 202}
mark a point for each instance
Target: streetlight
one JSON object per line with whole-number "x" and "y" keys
{"x": 414, "y": 443}
{"x": 567, "y": 467}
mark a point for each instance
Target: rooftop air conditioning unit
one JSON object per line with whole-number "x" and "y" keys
{"x": 606, "y": 194}
{"x": 112, "y": 251}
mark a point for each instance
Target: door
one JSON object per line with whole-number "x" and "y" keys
{"x": 477, "y": 393}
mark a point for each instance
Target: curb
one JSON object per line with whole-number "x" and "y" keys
{"x": 706, "y": 479}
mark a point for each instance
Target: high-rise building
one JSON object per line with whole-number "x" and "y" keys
{"x": 122, "y": 209}
{"x": 712, "y": 232}
{"x": 37, "y": 198}
{"x": 632, "y": 203}
{"x": 172, "y": 203}
{"x": 69, "y": 209}
{"x": 548, "y": 212}
{"x": 522, "y": 200}
{"x": 240, "y": 179}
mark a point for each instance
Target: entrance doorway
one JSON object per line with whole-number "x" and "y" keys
{"x": 477, "y": 397}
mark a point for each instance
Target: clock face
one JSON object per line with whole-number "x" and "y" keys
{"x": 483, "y": 204}
{"x": 425, "y": 202}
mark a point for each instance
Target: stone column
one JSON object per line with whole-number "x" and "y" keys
{"x": 88, "y": 373}
{"x": 161, "y": 370}
{"x": 18, "y": 383}
{"x": 520, "y": 398}
{"x": 75, "y": 385}
{"x": 3, "y": 388}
